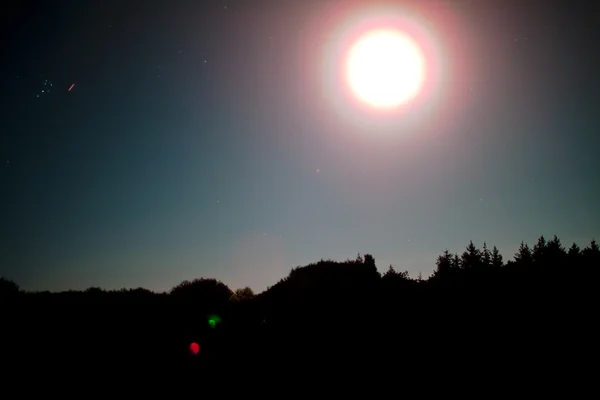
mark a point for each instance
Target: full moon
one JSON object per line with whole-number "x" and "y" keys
{"x": 385, "y": 69}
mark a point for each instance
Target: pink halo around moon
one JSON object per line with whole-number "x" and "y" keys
{"x": 434, "y": 31}
{"x": 360, "y": 25}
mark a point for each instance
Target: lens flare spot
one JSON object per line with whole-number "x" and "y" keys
{"x": 213, "y": 320}
{"x": 194, "y": 348}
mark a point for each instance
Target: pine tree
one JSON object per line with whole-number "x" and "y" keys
{"x": 444, "y": 264}
{"x": 370, "y": 261}
{"x": 539, "y": 250}
{"x": 591, "y": 257}
{"x": 486, "y": 256}
{"x": 390, "y": 272}
{"x": 592, "y": 251}
{"x": 574, "y": 256}
{"x": 497, "y": 258}
{"x": 456, "y": 261}
{"x": 471, "y": 258}
{"x": 574, "y": 252}
{"x": 523, "y": 255}
{"x": 555, "y": 252}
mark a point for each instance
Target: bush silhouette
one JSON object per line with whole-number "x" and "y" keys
{"x": 8, "y": 288}
{"x": 203, "y": 291}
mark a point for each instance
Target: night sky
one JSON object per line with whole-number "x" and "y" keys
{"x": 213, "y": 139}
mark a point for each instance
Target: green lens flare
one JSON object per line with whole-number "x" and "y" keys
{"x": 213, "y": 320}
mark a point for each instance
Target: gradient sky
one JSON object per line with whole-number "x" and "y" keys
{"x": 190, "y": 143}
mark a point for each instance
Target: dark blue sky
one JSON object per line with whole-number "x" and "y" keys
{"x": 190, "y": 143}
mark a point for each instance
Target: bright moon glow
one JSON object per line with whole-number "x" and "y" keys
{"x": 385, "y": 68}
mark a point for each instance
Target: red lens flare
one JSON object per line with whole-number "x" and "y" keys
{"x": 194, "y": 348}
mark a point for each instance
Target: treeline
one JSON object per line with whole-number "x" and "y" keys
{"x": 475, "y": 313}
{"x": 475, "y": 268}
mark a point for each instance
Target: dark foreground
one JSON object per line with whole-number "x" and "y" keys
{"x": 505, "y": 343}
{"x": 476, "y": 324}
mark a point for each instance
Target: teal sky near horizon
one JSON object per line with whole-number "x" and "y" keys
{"x": 210, "y": 141}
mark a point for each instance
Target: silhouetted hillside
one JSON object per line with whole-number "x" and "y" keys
{"x": 475, "y": 310}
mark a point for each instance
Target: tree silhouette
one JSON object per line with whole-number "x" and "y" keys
{"x": 456, "y": 262}
{"x": 210, "y": 292}
{"x": 592, "y": 250}
{"x": 555, "y": 254}
{"x": 318, "y": 311}
{"x": 243, "y": 294}
{"x": 523, "y": 256}
{"x": 486, "y": 256}
{"x": 591, "y": 259}
{"x": 496, "y": 258}
{"x": 369, "y": 263}
{"x": 539, "y": 250}
{"x": 444, "y": 265}
{"x": 8, "y": 288}
{"x": 471, "y": 257}
{"x": 574, "y": 252}
{"x": 390, "y": 272}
